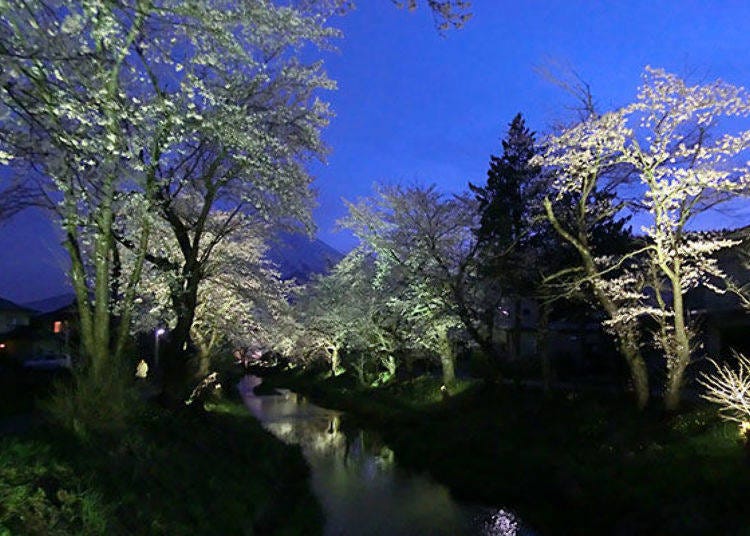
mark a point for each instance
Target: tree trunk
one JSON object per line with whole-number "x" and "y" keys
{"x": 204, "y": 363}
{"x": 639, "y": 375}
{"x": 678, "y": 362}
{"x": 448, "y": 366}
{"x": 626, "y": 336}
{"x": 176, "y": 357}
{"x": 543, "y": 347}
{"x": 390, "y": 367}
{"x": 335, "y": 360}
{"x": 361, "y": 368}
{"x": 627, "y": 341}
{"x": 447, "y": 359}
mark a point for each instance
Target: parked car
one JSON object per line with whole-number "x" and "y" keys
{"x": 49, "y": 362}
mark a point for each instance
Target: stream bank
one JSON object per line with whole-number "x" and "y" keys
{"x": 573, "y": 463}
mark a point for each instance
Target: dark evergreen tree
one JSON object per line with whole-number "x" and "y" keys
{"x": 506, "y": 205}
{"x": 505, "y": 200}
{"x": 518, "y": 248}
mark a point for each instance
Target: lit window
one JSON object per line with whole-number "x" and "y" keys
{"x": 57, "y": 326}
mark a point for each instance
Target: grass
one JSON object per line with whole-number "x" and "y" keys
{"x": 567, "y": 463}
{"x": 171, "y": 472}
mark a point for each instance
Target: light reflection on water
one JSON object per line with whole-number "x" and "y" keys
{"x": 357, "y": 480}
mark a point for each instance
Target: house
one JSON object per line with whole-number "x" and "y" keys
{"x": 13, "y": 319}
{"x": 13, "y": 316}
{"x": 722, "y": 318}
{"x": 39, "y": 328}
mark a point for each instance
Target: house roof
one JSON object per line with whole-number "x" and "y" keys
{"x": 54, "y": 304}
{"x": 7, "y": 305}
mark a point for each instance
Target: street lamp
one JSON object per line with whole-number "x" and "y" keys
{"x": 158, "y": 333}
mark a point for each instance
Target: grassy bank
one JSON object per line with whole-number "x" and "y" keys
{"x": 567, "y": 463}
{"x": 185, "y": 472}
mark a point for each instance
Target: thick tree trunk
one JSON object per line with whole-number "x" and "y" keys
{"x": 335, "y": 360}
{"x": 204, "y": 363}
{"x": 176, "y": 356}
{"x": 677, "y": 363}
{"x": 179, "y": 337}
{"x": 638, "y": 370}
{"x": 447, "y": 359}
{"x": 448, "y": 365}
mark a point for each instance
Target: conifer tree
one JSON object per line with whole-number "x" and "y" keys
{"x": 503, "y": 202}
{"x": 506, "y": 206}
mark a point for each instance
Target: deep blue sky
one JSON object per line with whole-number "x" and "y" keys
{"x": 416, "y": 106}
{"x": 413, "y": 105}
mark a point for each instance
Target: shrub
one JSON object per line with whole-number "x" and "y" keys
{"x": 88, "y": 405}
{"x": 41, "y": 495}
{"x": 729, "y": 388}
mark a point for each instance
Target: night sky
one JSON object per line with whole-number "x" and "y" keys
{"x": 415, "y": 106}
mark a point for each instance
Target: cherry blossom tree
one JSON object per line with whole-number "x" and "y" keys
{"x": 66, "y": 118}
{"x": 423, "y": 242}
{"x": 661, "y": 148}
{"x": 184, "y": 106}
{"x": 339, "y": 317}
{"x": 241, "y": 297}
{"x": 326, "y": 310}
{"x": 575, "y": 214}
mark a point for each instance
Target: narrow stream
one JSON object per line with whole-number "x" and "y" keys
{"x": 357, "y": 480}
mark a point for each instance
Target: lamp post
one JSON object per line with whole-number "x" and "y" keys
{"x": 158, "y": 333}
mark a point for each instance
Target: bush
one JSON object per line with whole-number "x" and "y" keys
{"x": 41, "y": 495}
{"x": 88, "y": 406}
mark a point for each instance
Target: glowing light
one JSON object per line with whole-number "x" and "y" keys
{"x": 2, "y": 346}
{"x": 160, "y": 332}
{"x": 141, "y": 371}
{"x": 57, "y": 327}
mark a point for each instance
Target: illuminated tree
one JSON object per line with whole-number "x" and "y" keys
{"x": 241, "y": 297}
{"x": 659, "y": 147}
{"x": 185, "y": 106}
{"x": 424, "y": 244}
{"x": 66, "y": 117}
{"x": 730, "y": 388}
{"x": 575, "y": 215}
{"x": 330, "y": 309}
{"x": 343, "y": 317}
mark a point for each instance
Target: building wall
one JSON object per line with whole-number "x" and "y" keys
{"x": 10, "y": 320}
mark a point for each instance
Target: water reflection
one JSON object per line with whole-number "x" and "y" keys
{"x": 357, "y": 480}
